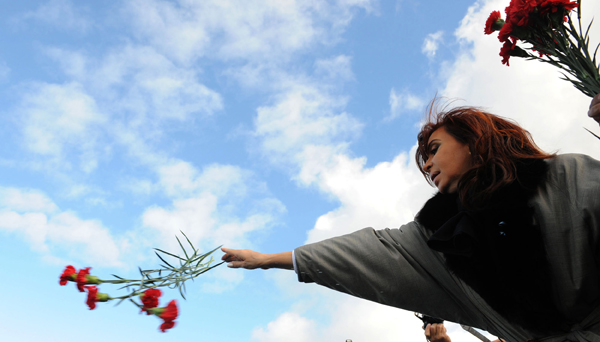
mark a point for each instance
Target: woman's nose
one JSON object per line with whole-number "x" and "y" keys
{"x": 427, "y": 166}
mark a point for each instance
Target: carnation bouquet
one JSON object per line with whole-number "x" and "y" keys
{"x": 146, "y": 289}
{"x": 552, "y": 37}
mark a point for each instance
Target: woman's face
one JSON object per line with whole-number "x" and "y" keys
{"x": 448, "y": 160}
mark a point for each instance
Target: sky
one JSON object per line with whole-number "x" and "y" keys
{"x": 250, "y": 124}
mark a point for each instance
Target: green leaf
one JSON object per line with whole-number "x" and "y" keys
{"x": 188, "y": 240}
{"x": 181, "y": 293}
{"x": 592, "y": 133}
{"x": 173, "y": 255}
{"x": 136, "y": 304}
{"x": 180, "y": 245}
{"x": 163, "y": 260}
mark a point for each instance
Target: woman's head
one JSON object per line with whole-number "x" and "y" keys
{"x": 471, "y": 152}
{"x": 448, "y": 160}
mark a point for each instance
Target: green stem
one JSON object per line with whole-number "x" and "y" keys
{"x": 567, "y": 48}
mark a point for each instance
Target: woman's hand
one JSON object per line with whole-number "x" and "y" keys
{"x": 250, "y": 260}
{"x": 594, "y": 111}
{"x": 436, "y": 333}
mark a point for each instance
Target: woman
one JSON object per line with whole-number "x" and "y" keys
{"x": 509, "y": 244}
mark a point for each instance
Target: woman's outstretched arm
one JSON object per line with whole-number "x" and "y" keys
{"x": 248, "y": 259}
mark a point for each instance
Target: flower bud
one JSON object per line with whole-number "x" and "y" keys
{"x": 102, "y": 297}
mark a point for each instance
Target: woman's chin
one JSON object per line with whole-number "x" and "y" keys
{"x": 446, "y": 189}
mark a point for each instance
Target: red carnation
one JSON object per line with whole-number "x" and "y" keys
{"x": 554, "y": 5}
{"x": 67, "y": 275}
{"x": 517, "y": 13}
{"x": 92, "y": 296}
{"x": 505, "y": 32}
{"x": 150, "y": 299}
{"x": 493, "y": 22}
{"x": 506, "y": 50}
{"x": 168, "y": 314}
{"x": 81, "y": 278}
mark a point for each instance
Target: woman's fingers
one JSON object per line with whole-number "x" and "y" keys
{"x": 436, "y": 333}
{"x": 428, "y": 331}
{"x": 594, "y": 111}
{"x": 233, "y": 257}
{"x": 241, "y": 258}
{"x": 230, "y": 254}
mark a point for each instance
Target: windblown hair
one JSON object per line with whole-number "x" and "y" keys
{"x": 496, "y": 145}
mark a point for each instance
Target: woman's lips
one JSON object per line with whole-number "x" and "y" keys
{"x": 434, "y": 177}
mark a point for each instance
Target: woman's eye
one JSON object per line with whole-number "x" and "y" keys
{"x": 433, "y": 150}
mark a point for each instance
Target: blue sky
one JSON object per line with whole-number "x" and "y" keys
{"x": 263, "y": 124}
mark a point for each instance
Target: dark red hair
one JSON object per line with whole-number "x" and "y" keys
{"x": 495, "y": 143}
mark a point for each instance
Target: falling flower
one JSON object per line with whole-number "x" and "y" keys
{"x": 168, "y": 314}
{"x": 150, "y": 299}
{"x": 94, "y": 297}
{"x": 145, "y": 288}
{"x": 68, "y": 275}
{"x": 81, "y": 278}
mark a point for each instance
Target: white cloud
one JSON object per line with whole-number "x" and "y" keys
{"x": 264, "y": 30}
{"x": 143, "y": 92}
{"x": 26, "y": 200}
{"x": 302, "y": 118}
{"x": 138, "y": 79}
{"x": 351, "y": 318}
{"x": 62, "y": 14}
{"x": 193, "y": 216}
{"x": 260, "y": 42}
{"x": 144, "y": 87}
{"x": 431, "y": 44}
{"x": 387, "y": 195}
{"x": 401, "y": 102}
{"x": 207, "y": 205}
{"x": 336, "y": 68}
{"x": 32, "y": 215}
{"x": 56, "y": 118}
{"x": 137, "y": 186}
{"x": 179, "y": 178}
{"x": 289, "y": 326}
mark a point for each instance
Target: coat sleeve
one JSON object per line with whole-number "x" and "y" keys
{"x": 394, "y": 267}
{"x": 568, "y": 208}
